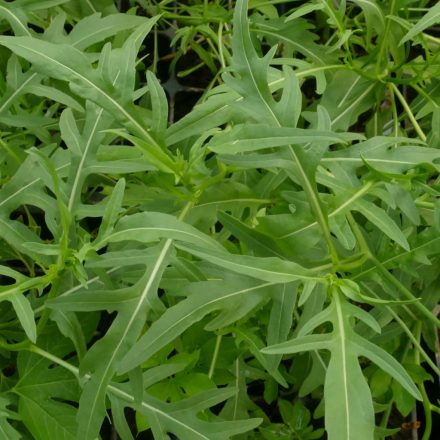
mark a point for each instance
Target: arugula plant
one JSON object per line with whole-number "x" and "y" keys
{"x": 268, "y": 260}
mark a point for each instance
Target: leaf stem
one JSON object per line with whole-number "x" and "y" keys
{"x": 215, "y": 356}
{"x": 425, "y": 401}
{"x": 410, "y": 114}
{"x": 384, "y": 41}
{"x": 387, "y": 275}
{"x": 394, "y": 111}
{"x": 396, "y": 283}
{"x": 37, "y": 350}
{"x": 413, "y": 339}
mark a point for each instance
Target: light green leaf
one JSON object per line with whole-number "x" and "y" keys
{"x": 102, "y": 358}
{"x": 48, "y": 419}
{"x": 252, "y": 137}
{"x": 180, "y": 417}
{"x": 202, "y": 301}
{"x": 94, "y": 28}
{"x": 7, "y": 431}
{"x": 381, "y": 220}
{"x": 112, "y": 211}
{"x": 262, "y": 244}
{"x": 70, "y": 326}
{"x": 159, "y": 105}
{"x": 374, "y": 15}
{"x": 429, "y": 19}
{"x": 280, "y": 319}
{"x": 270, "y": 269}
{"x": 297, "y": 345}
{"x": 25, "y": 315}
{"x": 151, "y": 226}
{"x": 385, "y": 361}
{"x": 40, "y": 384}
{"x": 349, "y": 405}
{"x": 304, "y": 10}
{"x": 16, "y": 18}
{"x": 67, "y": 63}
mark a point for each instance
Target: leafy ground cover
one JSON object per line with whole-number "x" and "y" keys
{"x": 219, "y": 219}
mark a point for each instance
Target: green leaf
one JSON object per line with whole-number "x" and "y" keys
{"x": 25, "y": 315}
{"x": 429, "y": 19}
{"x": 381, "y": 220}
{"x": 94, "y": 28}
{"x": 374, "y": 16}
{"x": 180, "y": 417}
{"x": 281, "y": 318}
{"x": 385, "y": 361}
{"x": 270, "y": 269}
{"x": 151, "y": 226}
{"x": 235, "y": 298}
{"x": 7, "y": 431}
{"x": 262, "y": 244}
{"x": 112, "y": 211}
{"x": 211, "y": 113}
{"x": 40, "y": 384}
{"x": 378, "y": 154}
{"x": 16, "y": 18}
{"x": 48, "y": 419}
{"x": 347, "y": 96}
{"x": 252, "y": 137}
{"x": 304, "y": 10}
{"x": 345, "y": 383}
{"x": 159, "y": 105}
{"x": 255, "y": 344}
{"x": 67, "y": 63}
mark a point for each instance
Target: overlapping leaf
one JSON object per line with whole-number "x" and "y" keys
{"x": 349, "y": 406}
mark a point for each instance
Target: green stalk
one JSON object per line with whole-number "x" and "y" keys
{"x": 410, "y": 114}
{"x": 426, "y": 403}
{"x": 384, "y": 41}
{"x": 394, "y": 110}
{"x": 405, "y": 292}
{"x": 387, "y": 275}
{"x": 215, "y": 356}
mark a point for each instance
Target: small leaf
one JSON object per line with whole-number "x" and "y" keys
{"x": 159, "y": 105}
{"x": 25, "y": 315}
{"x": 381, "y": 220}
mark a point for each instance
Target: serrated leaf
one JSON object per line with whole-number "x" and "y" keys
{"x": 67, "y": 63}
{"x": 345, "y": 381}
{"x": 151, "y": 226}
{"x": 201, "y": 302}
{"x": 7, "y": 431}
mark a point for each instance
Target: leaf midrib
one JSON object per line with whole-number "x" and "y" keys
{"x": 95, "y": 87}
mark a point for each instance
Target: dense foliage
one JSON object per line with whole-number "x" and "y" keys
{"x": 262, "y": 265}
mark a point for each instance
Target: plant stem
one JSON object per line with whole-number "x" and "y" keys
{"x": 394, "y": 110}
{"x": 384, "y": 41}
{"x": 406, "y": 293}
{"x": 390, "y": 277}
{"x": 215, "y": 356}
{"x": 408, "y": 111}
{"x": 37, "y": 350}
{"x": 426, "y": 403}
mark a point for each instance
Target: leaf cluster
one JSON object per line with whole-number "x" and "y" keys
{"x": 266, "y": 266}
